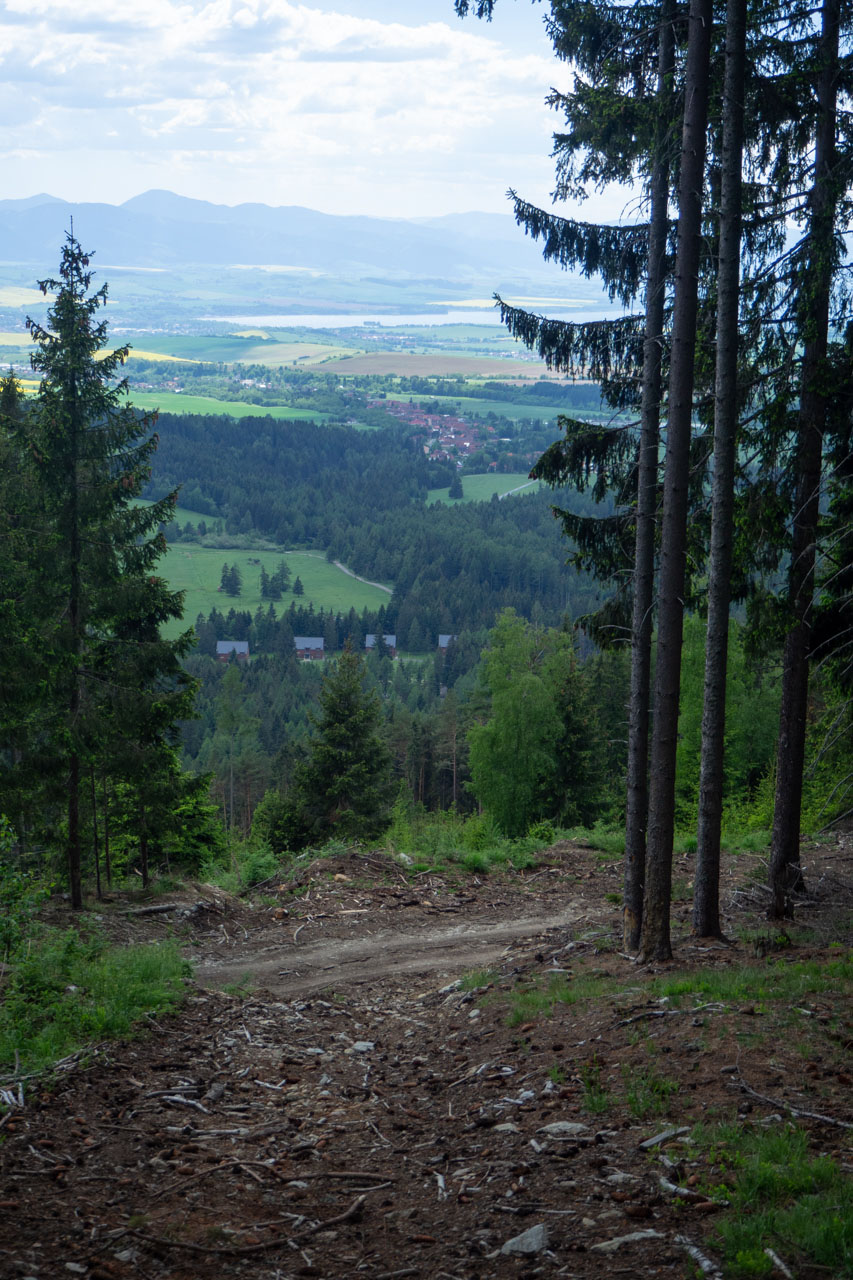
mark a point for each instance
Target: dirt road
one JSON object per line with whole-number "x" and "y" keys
{"x": 353, "y": 1110}
{"x": 291, "y": 967}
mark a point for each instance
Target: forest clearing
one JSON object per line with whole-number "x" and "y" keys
{"x": 516, "y": 1103}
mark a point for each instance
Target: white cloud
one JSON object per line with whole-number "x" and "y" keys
{"x": 274, "y": 100}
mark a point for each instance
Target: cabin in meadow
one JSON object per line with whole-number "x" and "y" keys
{"x": 225, "y": 648}
{"x": 309, "y": 648}
{"x": 390, "y": 643}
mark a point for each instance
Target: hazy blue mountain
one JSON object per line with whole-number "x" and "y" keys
{"x": 160, "y": 229}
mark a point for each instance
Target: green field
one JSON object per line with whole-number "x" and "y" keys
{"x": 189, "y": 567}
{"x": 475, "y": 407}
{"x": 177, "y": 402}
{"x": 249, "y": 346}
{"x": 481, "y": 488}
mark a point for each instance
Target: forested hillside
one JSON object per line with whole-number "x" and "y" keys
{"x": 360, "y": 497}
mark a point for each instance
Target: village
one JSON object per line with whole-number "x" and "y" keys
{"x": 450, "y": 438}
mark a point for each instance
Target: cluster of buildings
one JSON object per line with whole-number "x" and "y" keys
{"x": 450, "y": 438}
{"x": 312, "y": 648}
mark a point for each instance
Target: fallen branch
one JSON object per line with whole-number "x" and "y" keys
{"x": 779, "y": 1264}
{"x": 740, "y": 1083}
{"x": 706, "y": 1265}
{"x": 651, "y": 1013}
{"x": 246, "y": 1250}
{"x": 689, "y": 1195}
{"x": 159, "y": 910}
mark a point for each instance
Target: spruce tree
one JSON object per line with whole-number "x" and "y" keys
{"x": 102, "y": 606}
{"x": 830, "y": 177}
{"x": 345, "y": 787}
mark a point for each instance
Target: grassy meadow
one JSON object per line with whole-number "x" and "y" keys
{"x": 472, "y": 406}
{"x": 247, "y": 346}
{"x": 481, "y": 488}
{"x": 197, "y": 570}
{"x": 177, "y": 402}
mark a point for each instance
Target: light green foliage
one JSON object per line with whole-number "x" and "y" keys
{"x": 535, "y": 999}
{"x": 596, "y": 1099}
{"x": 64, "y": 992}
{"x": 172, "y": 402}
{"x": 195, "y": 570}
{"x": 477, "y": 980}
{"x": 752, "y": 720}
{"x": 21, "y": 894}
{"x": 481, "y": 488}
{"x": 447, "y": 839}
{"x": 783, "y": 1198}
{"x": 536, "y": 754}
{"x": 259, "y": 864}
{"x": 777, "y": 980}
{"x": 609, "y": 840}
{"x": 647, "y": 1092}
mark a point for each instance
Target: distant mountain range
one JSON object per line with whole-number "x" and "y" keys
{"x": 167, "y": 231}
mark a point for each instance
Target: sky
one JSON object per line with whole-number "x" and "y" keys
{"x": 393, "y": 108}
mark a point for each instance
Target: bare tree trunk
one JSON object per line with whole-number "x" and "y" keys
{"x": 706, "y": 891}
{"x": 106, "y": 808}
{"x": 75, "y": 883}
{"x": 143, "y": 847}
{"x": 637, "y": 798}
{"x": 74, "y": 851}
{"x": 656, "y": 936}
{"x": 95, "y": 848}
{"x": 785, "y": 870}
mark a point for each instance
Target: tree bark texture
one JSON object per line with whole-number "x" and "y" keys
{"x": 706, "y": 890}
{"x": 637, "y": 797}
{"x": 785, "y": 868}
{"x": 656, "y": 944}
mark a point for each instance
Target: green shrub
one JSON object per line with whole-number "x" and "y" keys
{"x": 258, "y": 864}
{"x": 21, "y": 894}
{"x": 480, "y": 832}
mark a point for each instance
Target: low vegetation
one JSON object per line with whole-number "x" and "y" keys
{"x": 64, "y": 989}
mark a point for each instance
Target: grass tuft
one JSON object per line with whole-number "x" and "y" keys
{"x": 782, "y": 1198}
{"x": 66, "y": 992}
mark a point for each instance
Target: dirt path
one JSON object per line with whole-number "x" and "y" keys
{"x": 290, "y": 968}
{"x": 355, "y": 1112}
{"x": 350, "y": 574}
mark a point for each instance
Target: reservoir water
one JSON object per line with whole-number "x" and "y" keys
{"x": 383, "y": 320}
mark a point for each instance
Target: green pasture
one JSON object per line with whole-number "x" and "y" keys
{"x": 251, "y": 346}
{"x": 183, "y": 514}
{"x": 472, "y": 406}
{"x": 197, "y": 570}
{"x": 177, "y": 402}
{"x": 481, "y": 488}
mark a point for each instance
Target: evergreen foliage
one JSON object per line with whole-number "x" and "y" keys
{"x": 344, "y": 788}
{"x": 104, "y": 691}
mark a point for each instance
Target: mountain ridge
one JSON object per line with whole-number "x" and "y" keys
{"x": 159, "y": 228}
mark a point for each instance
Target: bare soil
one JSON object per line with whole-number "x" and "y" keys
{"x": 347, "y": 1108}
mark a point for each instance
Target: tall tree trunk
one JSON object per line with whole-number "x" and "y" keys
{"x": 636, "y": 805}
{"x": 95, "y": 850}
{"x": 143, "y": 847}
{"x": 75, "y": 883}
{"x": 75, "y": 639}
{"x": 656, "y": 937}
{"x": 107, "y": 864}
{"x": 706, "y": 891}
{"x": 785, "y": 869}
